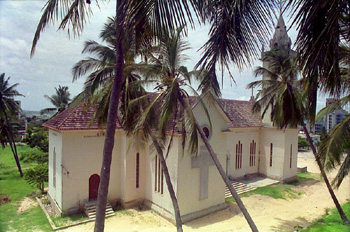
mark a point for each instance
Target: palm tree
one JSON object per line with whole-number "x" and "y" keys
{"x": 332, "y": 150}
{"x": 98, "y": 87}
{"x": 278, "y": 90}
{"x": 281, "y": 94}
{"x": 337, "y": 144}
{"x": 166, "y": 66}
{"x": 60, "y": 100}
{"x": 8, "y": 108}
{"x": 323, "y": 26}
{"x": 167, "y": 14}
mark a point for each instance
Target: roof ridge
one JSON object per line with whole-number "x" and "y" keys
{"x": 69, "y": 114}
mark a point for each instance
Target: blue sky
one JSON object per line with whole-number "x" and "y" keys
{"x": 56, "y": 53}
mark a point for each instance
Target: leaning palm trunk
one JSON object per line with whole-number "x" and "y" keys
{"x": 168, "y": 182}
{"x": 11, "y": 141}
{"x": 222, "y": 173}
{"x": 111, "y": 126}
{"x": 331, "y": 192}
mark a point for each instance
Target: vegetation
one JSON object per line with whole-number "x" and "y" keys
{"x": 8, "y": 111}
{"x": 303, "y": 143}
{"x": 330, "y": 222}
{"x": 38, "y": 138}
{"x": 60, "y": 100}
{"x": 37, "y": 176}
{"x": 68, "y": 220}
{"x": 236, "y": 29}
{"x": 277, "y": 191}
{"x": 16, "y": 189}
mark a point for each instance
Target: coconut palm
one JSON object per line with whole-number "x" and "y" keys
{"x": 60, "y": 100}
{"x": 278, "y": 90}
{"x": 280, "y": 93}
{"x": 333, "y": 149}
{"x": 161, "y": 14}
{"x": 98, "y": 87}
{"x": 323, "y": 26}
{"x": 8, "y": 109}
{"x": 166, "y": 67}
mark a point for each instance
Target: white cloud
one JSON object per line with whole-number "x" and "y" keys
{"x": 56, "y": 53}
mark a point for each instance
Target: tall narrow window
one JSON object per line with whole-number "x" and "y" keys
{"x": 137, "y": 170}
{"x": 54, "y": 168}
{"x": 252, "y": 153}
{"x": 159, "y": 176}
{"x": 239, "y": 155}
{"x": 271, "y": 148}
{"x": 290, "y": 155}
{"x": 155, "y": 173}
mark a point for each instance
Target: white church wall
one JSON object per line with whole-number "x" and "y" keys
{"x": 189, "y": 189}
{"x": 55, "y": 147}
{"x": 133, "y": 194}
{"x": 153, "y": 198}
{"x": 244, "y": 136}
{"x": 290, "y": 161}
{"x": 275, "y": 137}
{"x": 81, "y": 158}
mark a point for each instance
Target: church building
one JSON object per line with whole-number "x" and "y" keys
{"x": 244, "y": 143}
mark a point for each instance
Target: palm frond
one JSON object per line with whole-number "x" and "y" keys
{"x": 72, "y": 12}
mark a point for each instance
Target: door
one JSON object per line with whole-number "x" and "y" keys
{"x": 94, "y": 182}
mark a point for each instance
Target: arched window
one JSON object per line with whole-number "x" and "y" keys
{"x": 252, "y": 153}
{"x": 206, "y": 131}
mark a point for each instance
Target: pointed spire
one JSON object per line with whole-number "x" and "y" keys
{"x": 280, "y": 38}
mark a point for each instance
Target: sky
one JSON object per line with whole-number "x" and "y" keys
{"x": 56, "y": 53}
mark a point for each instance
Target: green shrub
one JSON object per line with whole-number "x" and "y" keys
{"x": 34, "y": 156}
{"x": 37, "y": 176}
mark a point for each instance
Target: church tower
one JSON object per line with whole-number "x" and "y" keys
{"x": 280, "y": 40}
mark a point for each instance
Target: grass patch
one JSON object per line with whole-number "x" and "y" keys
{"x": 68, "y": 220}
{"x": 277, "y": 191}
{"x": 16, "y": 188}
{"x": 303, "y": 177}
{"x": 331, "y": 222}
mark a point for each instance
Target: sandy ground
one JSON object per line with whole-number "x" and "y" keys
{"x": 269, "y": 214}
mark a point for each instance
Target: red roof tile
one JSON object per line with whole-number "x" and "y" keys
{"x": 240, "y": 113}
{"x": 76, "y": 118}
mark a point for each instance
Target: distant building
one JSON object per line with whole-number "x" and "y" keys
{"x": 335, "y": 117}
{"x": 320, "y": 126}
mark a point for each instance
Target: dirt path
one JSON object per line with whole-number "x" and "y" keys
{"x": 269, "y": 214}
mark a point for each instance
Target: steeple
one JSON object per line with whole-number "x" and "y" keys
{"x": 280, "y": 38}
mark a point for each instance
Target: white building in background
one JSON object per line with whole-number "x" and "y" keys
{"x": 335, "y": 117}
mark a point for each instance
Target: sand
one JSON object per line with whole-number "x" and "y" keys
{"x": 269, "y": 214}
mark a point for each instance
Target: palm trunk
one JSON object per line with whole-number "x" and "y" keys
{"x": 168, "y": 182}
{"x": 12, "y": 143}
{"x": 111, "y": 126}
{"x": 331, "y": 192}
{"x": 223, "y": 174}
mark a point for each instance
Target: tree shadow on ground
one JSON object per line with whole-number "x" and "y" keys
{"x": 222, "y": 215}
{"x": 292, "y": 225}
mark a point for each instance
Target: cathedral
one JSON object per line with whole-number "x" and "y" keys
{"x": 245, "y": 144}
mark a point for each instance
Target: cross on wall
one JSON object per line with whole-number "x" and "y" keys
{"x": 203, "y": 161}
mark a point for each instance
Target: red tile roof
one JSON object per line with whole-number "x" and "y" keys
{"x": 78, "y": 118}
{"x": 240, "y": 113}
{"x": 75, "y": 118}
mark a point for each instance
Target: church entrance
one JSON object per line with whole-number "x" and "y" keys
{"x": 94, "y": 182}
